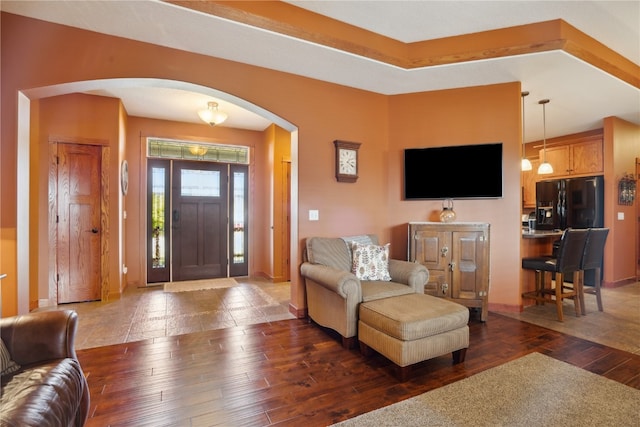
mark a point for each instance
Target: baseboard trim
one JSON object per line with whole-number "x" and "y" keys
{"x": 46, "y": 303}
{"x": 506, "y": 308}
{"x": 619, "y": 283}
{"x": 298, "y": 313}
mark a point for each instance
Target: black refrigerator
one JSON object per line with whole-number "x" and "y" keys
{"x": 570, "y": 203}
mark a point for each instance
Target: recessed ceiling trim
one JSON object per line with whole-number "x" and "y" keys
{"x": 290, "y": 20}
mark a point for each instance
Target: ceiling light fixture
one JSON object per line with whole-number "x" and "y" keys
{"x": 197, "y": 150}
{"x": 526, "y": 163}
{"x": 211, "y": 115}
{"x": 544, "y": 168}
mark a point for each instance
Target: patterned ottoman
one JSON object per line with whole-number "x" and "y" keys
{"x": 411, "y": 328}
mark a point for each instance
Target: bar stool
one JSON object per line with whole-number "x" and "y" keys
{"x": 568, "y": 260}
{"x": 592, "y": 260}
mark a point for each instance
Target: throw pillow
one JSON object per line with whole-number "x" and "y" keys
{"x": 370, "y": 262}
{"x": 7, "y": 366}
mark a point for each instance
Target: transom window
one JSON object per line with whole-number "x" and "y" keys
{"x": 186, "y": 150}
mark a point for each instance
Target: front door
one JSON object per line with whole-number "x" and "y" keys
{"x": 78, "y": 222}
{"x": 199, "y": 220}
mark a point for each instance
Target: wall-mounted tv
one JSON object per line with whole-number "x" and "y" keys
{"x": 457, "y": 172}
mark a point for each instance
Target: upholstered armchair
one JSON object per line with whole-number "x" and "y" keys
{"x": 334, "y": 291}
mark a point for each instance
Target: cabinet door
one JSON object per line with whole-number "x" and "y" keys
{"x": 587, "y": 158}
{"x": 559, "y": 157}
{"x": 529, "y": 179}
{"x": 433, "y": 250}
{"x": 467, "y": 281}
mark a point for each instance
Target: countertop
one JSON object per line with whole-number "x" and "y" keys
{"x": 540, "y": 234}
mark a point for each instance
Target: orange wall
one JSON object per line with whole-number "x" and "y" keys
{"x": 456, "y": 117}
{"x": 322, "y": 113}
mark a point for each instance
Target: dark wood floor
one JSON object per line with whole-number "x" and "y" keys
{"x": 293, "y": 373}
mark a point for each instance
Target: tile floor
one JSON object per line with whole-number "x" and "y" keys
{"x": 150, "y": 312}
{"x": 618, "y": 326}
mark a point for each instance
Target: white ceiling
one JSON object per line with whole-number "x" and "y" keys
{"x": 581, "y": 95}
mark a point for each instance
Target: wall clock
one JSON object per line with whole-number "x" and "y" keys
{"x": 346, "y": 160}
{"x": 124, "y": 177}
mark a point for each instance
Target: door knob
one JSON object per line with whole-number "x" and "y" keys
{"x": 94, "y": 230}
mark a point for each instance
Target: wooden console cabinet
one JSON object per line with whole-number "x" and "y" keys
{"x": 457, "y": 256}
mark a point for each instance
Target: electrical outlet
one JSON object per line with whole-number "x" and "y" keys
{"x": 314, "y": 215}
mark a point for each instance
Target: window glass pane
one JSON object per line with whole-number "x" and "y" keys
{"x": 163, "y": 148}
{"x": 199, "y": 183}
{"x": 158, "y": 198}
{"x": 238, "y": 217}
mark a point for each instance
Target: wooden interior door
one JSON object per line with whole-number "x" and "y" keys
{"x": 78, "y": 223}
{"x": 199, "y": 219}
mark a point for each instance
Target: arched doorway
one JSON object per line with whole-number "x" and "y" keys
{"x": 116, "y": 250}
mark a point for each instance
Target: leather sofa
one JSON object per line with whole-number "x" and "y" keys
{"x": 49, "y": 388}
{"x": 334, "y": 293}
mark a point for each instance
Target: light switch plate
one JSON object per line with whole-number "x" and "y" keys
{"x": 620, "y": 216}
{"x": 314, "y": 215}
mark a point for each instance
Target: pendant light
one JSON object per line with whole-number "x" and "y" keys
{"x": 525, "y": 164}
{"x": 212, "y": 115}
{"x": 544, "y": 168}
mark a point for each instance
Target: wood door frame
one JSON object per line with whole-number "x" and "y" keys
{"x": 286, "y": 220}
{"x": 53, "y": 209}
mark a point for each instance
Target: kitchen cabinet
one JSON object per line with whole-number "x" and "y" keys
{"x": 529, "y": 179}
{"x": 581, "y": 158}
{"x": 457, "y": 256}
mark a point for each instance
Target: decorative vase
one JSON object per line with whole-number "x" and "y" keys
{"x": 447, "y": 214}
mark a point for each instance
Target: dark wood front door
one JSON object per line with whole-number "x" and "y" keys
{"x": 199, "y": 218}
{"x": 78, "y": 222}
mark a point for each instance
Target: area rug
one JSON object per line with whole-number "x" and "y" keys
{"x": 534, "y": 390}
{"x": 200, "y": 285}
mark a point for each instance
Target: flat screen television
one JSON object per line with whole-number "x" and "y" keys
{"x": 457, "y": 172}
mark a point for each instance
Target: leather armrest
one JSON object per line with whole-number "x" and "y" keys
{"x": 40, "y": 336}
